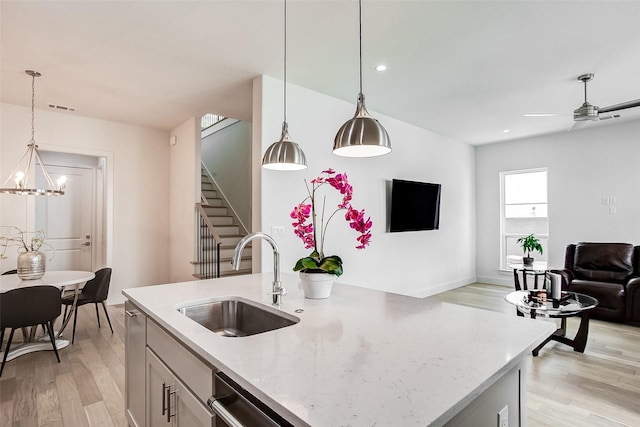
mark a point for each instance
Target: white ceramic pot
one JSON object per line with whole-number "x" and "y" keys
{"x": 317, "y": 285}
{"x": 31, "y": 265}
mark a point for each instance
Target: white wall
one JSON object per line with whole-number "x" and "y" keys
{"x": 139, "y": 159}
{"x": 184, "y": 193}
{"x": 227, "y": 155}
{"x": 413, "y": 263}
{"x": 584, "y": 167}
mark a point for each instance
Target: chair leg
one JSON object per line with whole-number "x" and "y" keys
{"x": 53, "y": 339}
{"x": 97, "y": 314}
{"x": 6, "y": 350}
{"x": 104, "y": 307}
{"x": 65, "y": 311}
{"x": 75, "y": 320}
{"x": 1, "y": 337}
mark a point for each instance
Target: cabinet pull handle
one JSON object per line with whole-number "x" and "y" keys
{"x": 164, "y": 398}
{"x": 223, "y": 413}
{"x": 132, "y": 313}
{"x": 169, "y": 393}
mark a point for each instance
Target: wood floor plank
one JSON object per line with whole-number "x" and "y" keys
{"x": 73, "y": 413}
{"x": 98, "y": 415}
{"x": 6, "y": 411}
{"x": 24, "y": 402}
{"x": 87, "y": 388}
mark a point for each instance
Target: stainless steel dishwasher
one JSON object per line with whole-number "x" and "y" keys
{"x": 236, "y": 407}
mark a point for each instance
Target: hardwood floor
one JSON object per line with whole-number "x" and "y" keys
{"x": 598, "y": 388}
{"x": 564, "y": 388}
{"x": 85, "y": 389}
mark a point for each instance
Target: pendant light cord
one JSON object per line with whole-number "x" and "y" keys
{"x": 33, "y": 112}
{"x": 360, "y": 38}
{"x": 285, "y": 62}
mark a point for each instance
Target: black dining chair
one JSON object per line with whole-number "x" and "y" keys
{"x": 29, "y": 306}
{"x": 94, "y": 291}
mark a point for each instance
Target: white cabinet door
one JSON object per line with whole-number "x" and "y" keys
{"x": 169, "y": 402}
{"x": 134, "y": 367}
{"x": 189, "y": 411}
{"x": 160, "y": 386}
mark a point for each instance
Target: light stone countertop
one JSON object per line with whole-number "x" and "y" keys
{"x": 359, "y": 358}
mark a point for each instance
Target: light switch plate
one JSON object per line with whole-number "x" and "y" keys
{"x": 277, "y": 230}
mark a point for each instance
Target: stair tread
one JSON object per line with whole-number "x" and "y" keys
{"x": 236, "y": 272}
{"x": 223, "y": 259}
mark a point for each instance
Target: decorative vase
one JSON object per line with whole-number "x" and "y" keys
{"x": 31, "y": 265}
{"x": 317, "y": 285}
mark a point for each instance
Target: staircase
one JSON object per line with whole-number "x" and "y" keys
{"x": 228, "y": 231}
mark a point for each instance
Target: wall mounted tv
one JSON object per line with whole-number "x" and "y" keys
{"x": 414, "y": 206}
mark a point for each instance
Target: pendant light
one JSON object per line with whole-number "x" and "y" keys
{"x": 22, "y": 173}
{"x": 284, "y": 155}
{"x": 362, "y": 136}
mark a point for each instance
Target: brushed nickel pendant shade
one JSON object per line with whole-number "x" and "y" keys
{"x": 284, "y": 154}
{"x": 22, "y": 172}
{"x": 362, "y": 136}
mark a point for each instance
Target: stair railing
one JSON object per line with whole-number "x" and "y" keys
{"x": 208, "y": 246}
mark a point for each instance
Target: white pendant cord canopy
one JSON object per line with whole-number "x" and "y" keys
{"x": 22, "y": 173}
{"x": 362, "y": 136}
{"x": 284, "y": 154}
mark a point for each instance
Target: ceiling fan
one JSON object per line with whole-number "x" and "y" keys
{"x": 589, "y": 112}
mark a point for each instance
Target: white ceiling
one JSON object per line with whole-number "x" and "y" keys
{"x": 464, "y": 69}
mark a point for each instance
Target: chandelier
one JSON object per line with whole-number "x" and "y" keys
{"x": 22, "y": 173}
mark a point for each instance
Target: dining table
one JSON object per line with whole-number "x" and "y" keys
{"x": 66, "y": 281}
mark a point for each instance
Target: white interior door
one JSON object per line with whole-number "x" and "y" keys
{"x": 68, "y": 220}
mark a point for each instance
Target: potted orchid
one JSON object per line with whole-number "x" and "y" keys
{"x": 311, "y": 222}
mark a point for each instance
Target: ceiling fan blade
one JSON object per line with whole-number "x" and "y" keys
{"x": 545, "y": 114}
{"x": 578, "y": 124}
{"x": 621, "y": 106}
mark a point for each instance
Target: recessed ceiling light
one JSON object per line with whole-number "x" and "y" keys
{"x": 506, "y": 131}
{"x": 381, "y": 67}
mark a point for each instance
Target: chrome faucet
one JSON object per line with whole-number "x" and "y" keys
{"x": 277, "y": 291}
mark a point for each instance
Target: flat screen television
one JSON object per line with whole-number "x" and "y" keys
{"x": 414, "y": 206}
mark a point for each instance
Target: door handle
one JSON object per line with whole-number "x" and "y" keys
{"x": 220, "y": 410}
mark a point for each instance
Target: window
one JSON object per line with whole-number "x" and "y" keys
{"x": 209, "y": 120}
{"x": 523, "y": 211}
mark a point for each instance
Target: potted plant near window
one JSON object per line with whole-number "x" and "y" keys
{"x": 529, "y": 244}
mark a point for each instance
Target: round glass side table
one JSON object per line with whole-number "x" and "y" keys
{"x": 571, "y": 304}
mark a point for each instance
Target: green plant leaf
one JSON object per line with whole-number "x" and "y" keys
{"x": 332, "y": 264}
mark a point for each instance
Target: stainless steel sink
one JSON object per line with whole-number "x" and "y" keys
{"x": 237, "y": 317}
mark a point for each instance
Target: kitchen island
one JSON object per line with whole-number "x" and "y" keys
{"x": 359, "y": 358}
